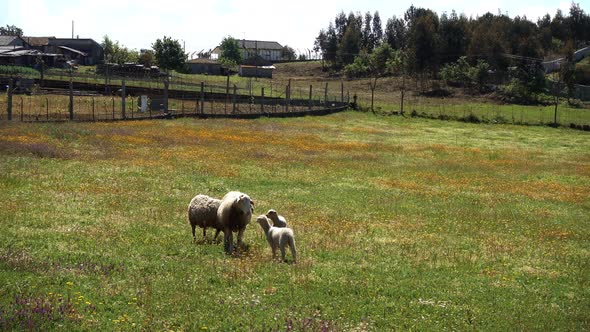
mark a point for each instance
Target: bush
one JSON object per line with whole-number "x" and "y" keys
{"x": 18, "y": 71}
{"x": 359, "y": 68}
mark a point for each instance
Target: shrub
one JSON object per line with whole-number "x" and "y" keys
{"x": 359, "y": 68}
{"x": 18, "y": 71}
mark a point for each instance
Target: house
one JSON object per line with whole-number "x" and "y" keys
{"x": 13, "y": 42}
{"x": 86, "y": 50}
{"x": 83, "y": 51}
{"x": 204, "y": 66}
{"x": 268, "y": 50}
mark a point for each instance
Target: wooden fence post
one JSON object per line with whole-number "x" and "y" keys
{"x": 234, "y": 99}
{"x": 202, "y": 97}
{"x": 123, "y": 101}
{"x": 326, "y": 95}
{"x": 166, "y": 85}
{"x": 9, "y": 101}
{"x": 310, "y": 96}
{"x": 71, "y": 97}
{"x": 262, "y": 101}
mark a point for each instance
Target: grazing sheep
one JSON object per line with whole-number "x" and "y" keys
{"x": 278, "y": 237}
{"x": 277, "y": 220}
{"x": 234, "y": 213}
{"x": 202, "y": 212}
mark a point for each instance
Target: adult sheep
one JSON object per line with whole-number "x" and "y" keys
{"x": 277, "y": 220}
{"x": 202, "y": 212}
{"x": 278, "y": 238}
{"x": 233, "y": 215}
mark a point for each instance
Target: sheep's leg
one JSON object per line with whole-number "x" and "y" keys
{"x": 283, "y": 252}
{"x": 240, "y": 237}
{"x": 228, "y": 240}
{"x": 216, "y": 234}
{"x": 274, "y": 252}
{"x": 194, "y": 236}
{"x": 204, "y": 232}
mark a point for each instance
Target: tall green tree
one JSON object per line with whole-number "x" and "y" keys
{"x": 11, "y": 30}
{"x": 288, "y": 53}
{"x": 230, "y": 51}
{"x": 377, "y": 29}
{"x": 424, "y": 43}
{"x": 116, "y": 53}
{"x": 395, "y": 33}
{"x": 169, "y": 54}
{"x": 367, "y": 37}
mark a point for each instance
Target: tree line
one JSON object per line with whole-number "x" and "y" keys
{"x": 429, "y": 41}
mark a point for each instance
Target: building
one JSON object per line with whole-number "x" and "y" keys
{"x": 14, "y": 42}
{"x": 256, "y": 71}
{"x": 86, "y": 50}
{"x": 268, "y": 50}
{"x": 83, "y": 51}
{"x": 204, "y": 66}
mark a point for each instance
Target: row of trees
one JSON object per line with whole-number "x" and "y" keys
{"x": 430, "y": 40}
{"x": 167, "y": 53}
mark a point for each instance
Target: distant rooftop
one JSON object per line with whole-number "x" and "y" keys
{"x": 259, "y": 44}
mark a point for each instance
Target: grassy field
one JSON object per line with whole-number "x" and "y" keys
{"x": 401, "y": 224}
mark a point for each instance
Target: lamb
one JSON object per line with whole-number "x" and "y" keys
{"x": 277, "y": 220}
{"x": 278, "y": 237}
{"x": 233, "y": 215}
{"x": 202, "y": 212}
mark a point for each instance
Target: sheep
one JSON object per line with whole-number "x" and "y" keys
{"x": 233, "y": 215}
{"x": 202, "y": 212}
{"x": 278, "y": 237}
{"x": 277, "y": 220}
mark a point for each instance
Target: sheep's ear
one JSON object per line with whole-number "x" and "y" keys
{"x": 252, "y": 202}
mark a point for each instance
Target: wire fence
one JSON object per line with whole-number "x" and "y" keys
{"x": 62, "y": 100}
{"x": 96, "y": 98}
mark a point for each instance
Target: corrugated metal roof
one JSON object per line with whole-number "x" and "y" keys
{"x": 37, "y": 41}
{"x": 6, "y": 40}
{"x": 260, "y": 44}
{"x": 72, "y": 50}
{"x": 202, "y": 60}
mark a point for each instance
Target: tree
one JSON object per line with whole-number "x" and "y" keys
{"x": 377, "y": 29}
{"x": 327, "y": 43}
{"x": 567, "y": 69}
{"x": 288, "y": 53}
{"x": 350, "y": 46}
{"x": 454, "y": 36}
{"x": 230, "y": 52}
{"x": 11, "y": 30}
{"x": 115, "y": 53}
{"x": 423, "y": 44}
{"x": 108, "y": 47}
{"x": 147, "y": 58}
{"x": 169, "y": 54}
{"x": 367, "y": 37}
{"x": 395, "y": 33}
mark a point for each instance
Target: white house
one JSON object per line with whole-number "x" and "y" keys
{"x": 268, "y": 50}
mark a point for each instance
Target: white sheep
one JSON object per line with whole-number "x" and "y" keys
{"x": 202, "y": 212}
{"x": 233, "y": 215}
{"x": 278, "y": 237}
{"x": 277, "y": 220}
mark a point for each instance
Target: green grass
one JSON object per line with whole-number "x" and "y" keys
{"x": 401, "y": 224}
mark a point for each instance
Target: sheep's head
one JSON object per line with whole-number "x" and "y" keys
{"x": 244, "y": 204}
{"x": 272, "y": 214}
{"x": 263, "y": 221}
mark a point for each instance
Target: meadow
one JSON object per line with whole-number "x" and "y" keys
{"x": 401, "y": 224}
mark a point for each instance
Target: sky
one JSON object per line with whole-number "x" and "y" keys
{"x": 201, "y": 25}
